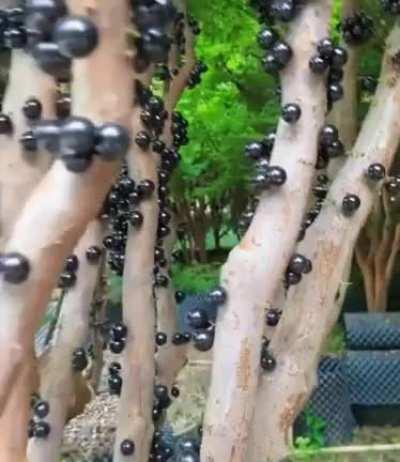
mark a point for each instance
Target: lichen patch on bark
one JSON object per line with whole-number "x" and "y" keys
{"x": 243, "y": 369}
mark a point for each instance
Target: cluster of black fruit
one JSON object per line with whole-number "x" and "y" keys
{"x": 179, "y": 130}
{"x": 279, "y": 10}
{"x": 392, "y": 186}
{"x": 161, "y": 401}
{"x": 320, "y": 190}
{"x": 75, "y": 140}
{"x": 114, "y": 378}
{"x": 54, "y": 38}
{"x": 12, "y": 29}
{"x": 37, "y": 426}
{"x": 117, "y": 337}
{"x": 357, "y": 29}
{"x": 351, "y": 202}
{"x": 68, "y": 277}
{"x": 298, "y": 265}
{"x": 329, "y": 146}
{"x": 153, "y": 20}
{"x": 203, "y": 329}
{"x": 199, "y": 321}
{"x": 278, "y": 51}
{"x": 153, "y": 115}
{"x": 391, "y": 6}
{"x": 121, "y": 211}
{"x": 333, "y": 58}
{"x": 266, "y": 175}
{"x": 196, "y": 74}
{"x": 165, "y": 448}
{"x": 179, "y": 39}
{"x": 268, "y": 362}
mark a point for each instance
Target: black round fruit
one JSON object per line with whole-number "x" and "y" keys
{"x": 272, "y": 317}
{"x": 41, "y": 430}
{"x": 291, "y": 113}
{"x": 76, "y": 36}
{"x": 376, "y": 172}
{"x": 66, "y": 280}
{"x": 276, "y": 176}
{"x": 119, "y": 331}
{"x": 71, "y": 264}
{"x": 32, "y": 109}
{"x": 117, "y": 346}
{"x": 79, "y": 360}
{"x": 268, "y": 362}
{"x": 161, "y": 338}
{"x": 318, "y": 64}
{"x": 14, "y": 267}
{"x": 217, "y": 296}
{"x": 115, "y": 384}
{"x": 198, "y": 318}
{"x": 112, "y": 141}
{"x": 6, "y": 126}
{"x": 50, "y": 60}
{"x": 41, "y": 409}
{"x": 204, "y": 340}
{"x": 127, "y": 447}
{"x": 266, "y": 38}
{"x": 350, "y": 204}
{"x": 93, "y": 254}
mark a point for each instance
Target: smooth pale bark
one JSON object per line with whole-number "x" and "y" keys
{"x": 138, "y": 364}
{"x": 57, "y": 378}
{"x": 255, "y": 268}
{"x": 14, "y": 420}
{"x": 60, "y": 208}
{"x": 310, "y": 311}
{"x": 20, "y": 172}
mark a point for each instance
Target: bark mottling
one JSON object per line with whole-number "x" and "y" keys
{"x": 244, "y": 367}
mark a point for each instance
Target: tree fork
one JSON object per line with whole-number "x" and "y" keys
{"x": 310, "y": 311}
{"x": 255, "y": 268}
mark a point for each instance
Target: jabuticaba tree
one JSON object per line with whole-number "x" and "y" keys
{"x": 310, "y": 311}
{"x": 256, "y": 267}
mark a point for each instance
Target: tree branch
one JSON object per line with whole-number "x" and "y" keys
{"x": 25, "y": 81}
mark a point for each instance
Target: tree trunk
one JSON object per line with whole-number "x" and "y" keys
{"x": 256, "y": 266}
{"x": 135, "y": 420}
{"x": 57, "y": 384}
{"x": 310, "y": 309}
